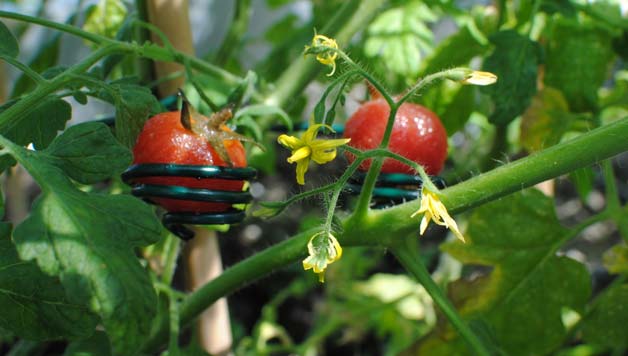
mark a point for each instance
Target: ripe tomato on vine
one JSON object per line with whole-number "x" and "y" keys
{"x": 417, "y": 134}
{"x": 186, "y": 137}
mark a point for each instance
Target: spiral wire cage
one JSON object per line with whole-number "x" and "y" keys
{"x": 174, "y": 221}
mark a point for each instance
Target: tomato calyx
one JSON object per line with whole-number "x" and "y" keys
{"x": 212, "y": 128}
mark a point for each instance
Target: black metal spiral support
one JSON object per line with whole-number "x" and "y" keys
{"x": 174, "y": 221}
{"x": 392, "y": 188}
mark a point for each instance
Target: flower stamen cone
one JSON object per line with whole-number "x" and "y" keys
{"x": 325, "y": 49}
{"x": 308, "y": 147}
{"x": 434, "y": 210}
{"x": 323, "y": 249}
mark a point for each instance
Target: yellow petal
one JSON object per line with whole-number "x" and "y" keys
{"x": 327, "y": 144}
{"x": 333, "y": 70}
{"x": 337, "y": 253}
{"x": 424, "y": 222}
{"x": 302, "y": 166}
{"x": 290, "y": 141}
{"x": 310, "y": 134}
{"x": 322, "y": 157}
{"x": 300, "y": 154}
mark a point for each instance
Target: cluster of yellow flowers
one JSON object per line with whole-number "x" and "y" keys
{"x": 323, "y": 247}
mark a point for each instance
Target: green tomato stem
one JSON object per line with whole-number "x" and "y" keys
{"x": 34, "y": 76}
{"x": 152, "y": 52}
{"x": 19, "y": 111}
{"x": 407, "y": 254}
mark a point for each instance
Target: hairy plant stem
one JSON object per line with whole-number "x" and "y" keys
{"x": 19, "y": 111}
{"x": 150, "y": 51}
{"x": 34, "y": 76}
{"x": 407, "y": 254}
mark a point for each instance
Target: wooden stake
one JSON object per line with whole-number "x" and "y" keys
{"x": 203, "y": 254}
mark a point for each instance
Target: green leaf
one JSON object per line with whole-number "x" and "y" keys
{"x": 606, "y": 324}
{"x": 545, "y": 121}
{"x": 40, "y": 126}
{"x": 583, "y": 180}
{"x": 88, "y": 240}
{"x": 276, "y": 34}
{"x": 523, "y": 298}
{"x": 34, "y": 305}
{"x": 457, "y": 50}
{"x": 8, "y": 43}
{"x": 88, "y": 153}
{"x": 265, "y": 110}
{"x": 616, "y": 259}
{"x": 571, "y": 66}
{"x": 452, "y": 102}
{"x": 514, "y": 60}
{"x": 134, "y": 105}
{"x": 459, "y": 109}
{"x": 398, "y": 37}
{"x": 45, "y": 58}
{"x": 564, "y": 7}
{"x": 105, "y": 18}
{"x": 96, "y": 345}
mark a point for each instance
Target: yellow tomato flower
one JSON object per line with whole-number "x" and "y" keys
{"x": 324, "y": 55}
{"x": 434, "y": 210}
{"x": 309, "y": 147}
{"x": 480, "y": 78}
{"x": 323, "y": 249}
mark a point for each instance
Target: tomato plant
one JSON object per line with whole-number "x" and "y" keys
{"x": 164, "y": 139}
{"x": 417, "y": 134}
{"x": 85, "y": 265}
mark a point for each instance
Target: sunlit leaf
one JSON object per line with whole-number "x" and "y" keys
{"x": 134, "y": 105}
{"x": 399, "y": 38}
{"x": 88, "y": 239}
{"x": 105, "y": 18}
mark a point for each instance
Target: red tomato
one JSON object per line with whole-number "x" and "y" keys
{"x": 164, "y": 140}
{"x": 417, "y": 135}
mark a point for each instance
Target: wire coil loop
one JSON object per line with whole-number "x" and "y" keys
{"x": 392, "y": 188}
{"x": 174, "y": 221}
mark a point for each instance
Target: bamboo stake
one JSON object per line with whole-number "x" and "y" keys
{"x": 203, "y": 260}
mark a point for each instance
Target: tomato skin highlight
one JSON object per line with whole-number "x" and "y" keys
{"x": 164, "y": 140}
{"x": 417, "y": 134}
